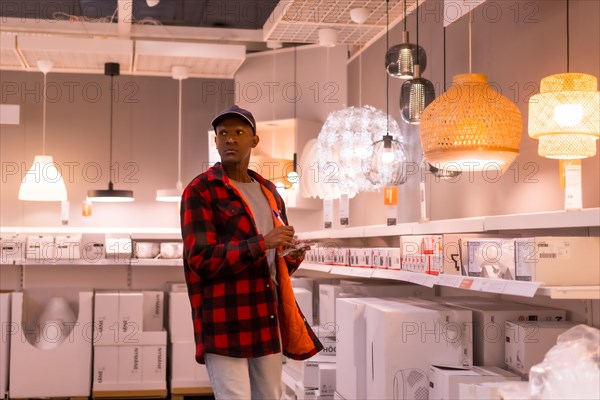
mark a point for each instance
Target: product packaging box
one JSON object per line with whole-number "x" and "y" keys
{"x": 558, "y": 261}
{"x": 455, "y": 251}
{"x": 5, "y": 336}
{"x": 403, "y": 340}
{"x": 12, "y": 248}
{"x": 185, "y": 371}
{"x": 118, "y": 248}
{"x": 68, "y": 247}
{"x": 181, "y": 328}
{"x": 527, "y": 342}
{"x": 307, "y": 372}
{"x": 511, "y": 390}
{"x": 63, "y": 371}
{"x": 417, "y": 251}
{"x": 106, "y": 365}
{"x": 491, "y": 258}
{"x": 304, "y": 298}
{"x": 489, "y": 317}
{"x": 444, "y": 381}
{"x": 153, "y": 312}
{"x": 40, "y": 248}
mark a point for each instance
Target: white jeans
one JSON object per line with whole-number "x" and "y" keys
{"x": 245, "y": 378}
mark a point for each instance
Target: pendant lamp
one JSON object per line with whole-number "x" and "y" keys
{"x": 565, "y": 115}
{"x": 400, "y": 59}
{"x": 471, "y": 126}
{"x": 43, "y": 181}
{"x": 417, "y": 93}
{"x": 385, "y": 162}
{"x": 174, "y": 195}
{"x": 110, "y": 195}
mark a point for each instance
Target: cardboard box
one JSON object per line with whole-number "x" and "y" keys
{"x": 106, "y": 364}
{"x": 327, "y": 372}
{"x": 68, "y": 247}
{"x": 65, "y": 371}
{"x": 558, "y": 260}
{"x": 489, "y": 317}
{"x": 131, "y": 315}
{"x": 511, "y": 390}
{"x": 40, "y": 248}
{"x": 106, "y": 318}
{"x": 153, "y": 311}
{"x": 307, "y": 371}
{"x": 527, "y": 342}
{"x": 444, "y": 382}
{"x": 403, "y": 340}
{"x": 5, "y": 336}
{"x": 327, "y": 336}
{"x": 12, "y": 248}
{"x": 185, "y": 371}
{"x": 491, "y": 258}
{"x": 304, "y": 299}
{"x": 455, "y": 257}
{"x": 181, "y": 328}
{"x": 118, "y": 248}
{"x": 130, "y": 364}
{"x": 154, "y": 360}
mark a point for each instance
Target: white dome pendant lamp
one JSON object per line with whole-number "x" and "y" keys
{"x": 110, "y": 195}
{"x": 43, "y": 181}
{"x": 174, "y": 195}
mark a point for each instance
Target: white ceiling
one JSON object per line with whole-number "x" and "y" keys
{"x": 83, "y": 46}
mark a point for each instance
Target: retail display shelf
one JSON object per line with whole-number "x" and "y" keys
{"x": 103, "y": 262}
{"x": 130, "y": 394}
{"x": 159, "y": 262}
{"x": 543, "y": 220}
{"x": 105, "y": 230}
{"x": 486, "y": 285}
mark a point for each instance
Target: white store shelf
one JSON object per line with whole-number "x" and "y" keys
{"x": 544, "y": 220}
{"x": 571, "y": 292}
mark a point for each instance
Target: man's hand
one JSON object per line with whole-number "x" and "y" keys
{"x": 280, "y": 236}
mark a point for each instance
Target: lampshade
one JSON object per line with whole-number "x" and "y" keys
{"x": 344, "y": 142}
{"x": 565, "y": 116}
{"x": 43, "y": 181}
{"x": 110, "y": 195}
{"x": 415, "y": 95}
{"x": 400, "y": 59}
{"x": 312, "y": 178}
{"x": 471, "y": 127}
{"x": 174, "y": 195}
{"x": 386, "y": 162}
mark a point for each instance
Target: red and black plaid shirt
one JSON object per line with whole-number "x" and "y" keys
{"x": 231, "y": 292}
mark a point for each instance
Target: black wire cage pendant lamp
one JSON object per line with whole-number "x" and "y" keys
{"x": 400, "y": 59}
{"x": 111, "y": 195}
{"x": 417, "y": 93}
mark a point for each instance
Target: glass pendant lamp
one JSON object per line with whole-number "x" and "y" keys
{"x": 400, "y": 59}
{"x": 174, "y": 195}
{"x": 385, "y": 161}
{"x": 417, "y": 93}
{"x": 43, "y": 181}
{"x": 110, "y": 195}
{"x": 565, "y": 115}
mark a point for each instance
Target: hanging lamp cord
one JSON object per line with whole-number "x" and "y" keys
{"x": 568, "y": 39}
{"x": 44, "y": 116}
{"x": 387, "y": 76}
{"x": 179, "y": 135}
{"x": 470, "y": 40}
{"x": 417, "y": 17}
{"x": 404, "y": 16}
{"x": 444, "y": 45}
{"x": 110, "y": 165}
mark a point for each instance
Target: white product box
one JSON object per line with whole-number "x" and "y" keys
{"x": 340, "y": 256}
{"x": 395, "y": 260}
{"x": 527, "y": 342}
{"x": 491, "y": 258}
{"x": 413, "y": 247}
{"x": 327, "y": 296}
{"x": 106, "y": 364}
{"x": 106, "y": 318}
{"x": 68, "y": 247}
{"x": 443, "y": 381}
{"x": 366, "y": 257}
{"x": 118, "y": 248}
{"x": 131, "y": 315}
{"x": 455, "y": 251}
{"x": 154, "y": 361}
{"x": 327, "y": 336}
{"x": 351, "y": 366}
{"x": 92, "y": 247}
{"x": 130, "y": 364}
{"x": 305, "y": 283}
{"x": 489, "y": 319}
{"x": 304, "y": 299}
{"x": 327, "y": 372}
{"x": 40, "y": 248}
{"x": 181, "y": 327}
{"x": 64, "y": 371}
{"x": 403, "y": 340}
{"x": 307, "y": 371}
{"x": 153, "y": 312}
{"x": 185, "y": 371}
{"x": 354, "y": 257}
{"x": 5, "y": 336}
{"x": 511, "y": 390}
{"x": 558, "y": 260}
{"x": 170, "y": 250}
{"x": 12, "y": 248}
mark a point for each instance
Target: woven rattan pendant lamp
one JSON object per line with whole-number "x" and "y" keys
{"x": 471, "y": 127}
{"x": 565, "y": 115}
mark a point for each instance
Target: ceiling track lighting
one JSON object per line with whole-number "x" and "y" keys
{"x": 565, "y": 115}
{"x": 417, "y": 93}
{"x": 43, "y": 181}
{"x": 110, "y": 195}
{"x": 174, "y": 195}
{"x": 400, "y": 59}
{"x": 463, "y": 130}
{"x": 386, "y": 159}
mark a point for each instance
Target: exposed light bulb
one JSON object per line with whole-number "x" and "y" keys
{"x": 388, "y": 155}
{"x": 293, "y": 177}
{"x": 152, "y": 3}
{"x": 568, "y": 115}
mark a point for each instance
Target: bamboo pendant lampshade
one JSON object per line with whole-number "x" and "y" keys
{"x": 565, "y": 116}
{"x": 471, "y": 127}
